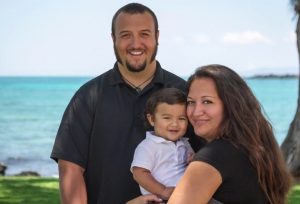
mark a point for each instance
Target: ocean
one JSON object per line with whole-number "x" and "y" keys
{"x": 31, "y": 109}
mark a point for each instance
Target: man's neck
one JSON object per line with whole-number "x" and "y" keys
{"x": 138, "y": 79}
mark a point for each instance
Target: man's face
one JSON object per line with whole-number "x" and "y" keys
{"x": 135, "y": 41}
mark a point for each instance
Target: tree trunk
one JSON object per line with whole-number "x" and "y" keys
{"x": 291, "y": 145}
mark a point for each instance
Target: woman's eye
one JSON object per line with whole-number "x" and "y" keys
{"x": 207, "y": 102}
{"x": 190, "y": 102}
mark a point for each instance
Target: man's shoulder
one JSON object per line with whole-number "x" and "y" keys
{"x": 98, "y": 79}
{"x": 91, "y": 90}
{"x": 96, "y": 82}
{"x": 172, "y": 80}
{"x": 172, "y": 76}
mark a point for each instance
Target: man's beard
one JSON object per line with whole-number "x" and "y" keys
{"x": 132, "y": 68}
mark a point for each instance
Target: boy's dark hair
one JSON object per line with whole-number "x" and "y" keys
{"x": 170, "y": 96}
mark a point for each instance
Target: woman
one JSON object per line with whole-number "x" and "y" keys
{"x": 241, "y": 162}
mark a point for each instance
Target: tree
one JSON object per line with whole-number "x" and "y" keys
{"x": 291, "y": 145}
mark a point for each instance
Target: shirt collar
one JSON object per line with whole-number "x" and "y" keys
{"x": 116, "y": 77}
{"x": 150, "y": 135}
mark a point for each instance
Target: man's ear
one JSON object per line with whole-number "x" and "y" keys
{"x": 157, "y": 37}
{"x": 112, "y": 37}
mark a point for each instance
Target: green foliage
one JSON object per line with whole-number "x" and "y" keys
{"x": 28, "y": 190}
{"x": 37, "y": 190}
{"x": 294, "y": 197}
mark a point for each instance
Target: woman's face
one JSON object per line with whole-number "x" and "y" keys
{"x": 204, "y": 108}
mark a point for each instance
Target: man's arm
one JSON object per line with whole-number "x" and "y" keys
{"x": 148, "y": 182}
{"x": 71, "y": 183}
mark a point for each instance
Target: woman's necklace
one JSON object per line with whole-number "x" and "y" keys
{"x": 139, "y": 87}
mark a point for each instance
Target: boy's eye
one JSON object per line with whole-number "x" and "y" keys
{"x": 183, "y": 118}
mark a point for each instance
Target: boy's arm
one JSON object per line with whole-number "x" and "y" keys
{"x": 148, "y": 182}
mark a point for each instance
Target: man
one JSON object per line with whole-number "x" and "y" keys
{"x": 103, "y": 122}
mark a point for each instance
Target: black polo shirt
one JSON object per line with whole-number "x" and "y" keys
{"x": 100, "y": 129}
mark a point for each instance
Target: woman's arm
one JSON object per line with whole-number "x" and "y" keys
{"x": 71, "y": 183}
{"x": 148, "y": 182}
{"x": 197, "y": 185}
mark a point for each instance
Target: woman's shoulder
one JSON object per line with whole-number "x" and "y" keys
{"x": 218, "y": 146}
{"x": 218, "y": 153}
{"x": 223, "y": 155}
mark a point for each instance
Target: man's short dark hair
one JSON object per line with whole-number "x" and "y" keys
{"x": 133, "y": 8}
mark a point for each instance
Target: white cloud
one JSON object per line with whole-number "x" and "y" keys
{"x": 246, "y": 37}
{"x": 201, "y": 39}
{"x": 291, "y": 37}
{"x": 177, "y": 40}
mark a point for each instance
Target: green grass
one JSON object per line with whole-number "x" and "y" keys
{"x": 40, "y": 190}
{"x": 28, "y": 190}
{"x": 294, "y": 197}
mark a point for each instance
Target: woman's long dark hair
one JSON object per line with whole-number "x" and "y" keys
{"x": 246, "y": 127}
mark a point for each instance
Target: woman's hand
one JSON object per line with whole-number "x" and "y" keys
{"x": 145, "y": 199}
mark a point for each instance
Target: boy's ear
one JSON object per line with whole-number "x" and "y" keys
{"x": 150, "y": 119}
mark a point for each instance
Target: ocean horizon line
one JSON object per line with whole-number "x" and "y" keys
{"x": 252, "y": 76}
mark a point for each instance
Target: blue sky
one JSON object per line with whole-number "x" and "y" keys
{"x": 72, "y": 37}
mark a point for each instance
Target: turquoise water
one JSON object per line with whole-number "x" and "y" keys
{"x": 31, "y": 109}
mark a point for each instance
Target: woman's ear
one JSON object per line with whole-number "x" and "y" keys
{"x": 150, "y": 119}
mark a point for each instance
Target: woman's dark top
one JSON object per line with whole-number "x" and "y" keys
{"x": 239, "y": 178}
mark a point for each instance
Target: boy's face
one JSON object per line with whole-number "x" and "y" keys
{"x": 169, "y": 121}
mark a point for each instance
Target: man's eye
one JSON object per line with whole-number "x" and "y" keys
{"x": 125, "y": 36}
{"x": 145, "y": 34}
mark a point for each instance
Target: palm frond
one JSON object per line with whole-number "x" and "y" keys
{"x": 296, "y": 5}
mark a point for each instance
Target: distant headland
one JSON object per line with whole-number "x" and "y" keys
{"x": 274, "y": 76}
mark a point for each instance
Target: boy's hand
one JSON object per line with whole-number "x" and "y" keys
{"x": 167, "y": 192}
{"x": 146, "y": 199}
{"x": 190, "y": 157}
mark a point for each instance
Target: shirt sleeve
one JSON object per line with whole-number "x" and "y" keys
{"x": 143, "y": 156}
{"x": 72, "y": 139}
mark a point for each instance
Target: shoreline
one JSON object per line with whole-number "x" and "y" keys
{"x": 273, "y": 76}
{"x": 40, "y": 168}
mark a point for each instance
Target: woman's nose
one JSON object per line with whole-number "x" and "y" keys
{"x": 199, "y": 109}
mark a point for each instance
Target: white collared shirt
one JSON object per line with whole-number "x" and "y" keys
{"x": 166, "y": 160}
